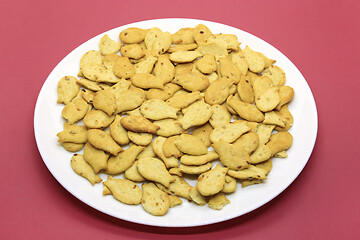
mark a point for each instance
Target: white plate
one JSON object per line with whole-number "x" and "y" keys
{"x": 48, "y": 122}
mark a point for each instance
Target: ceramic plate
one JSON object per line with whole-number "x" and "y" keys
{"x": 48, "y": 122}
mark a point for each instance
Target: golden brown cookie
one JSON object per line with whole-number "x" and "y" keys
{"x": 67, "y": 89}
{"x": 124, "y": 190}
{"x": 103, "y": 141}
{"x": 138, "y": 124}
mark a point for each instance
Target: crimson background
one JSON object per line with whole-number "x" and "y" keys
{"x": 319, "y": 37}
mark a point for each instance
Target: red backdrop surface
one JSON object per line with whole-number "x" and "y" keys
{"x": 319, "y": 37}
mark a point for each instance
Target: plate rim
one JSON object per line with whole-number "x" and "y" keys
{"x": 153, "y": 223}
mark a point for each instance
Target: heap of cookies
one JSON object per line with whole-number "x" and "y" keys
{"x": 155, "y": 107}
